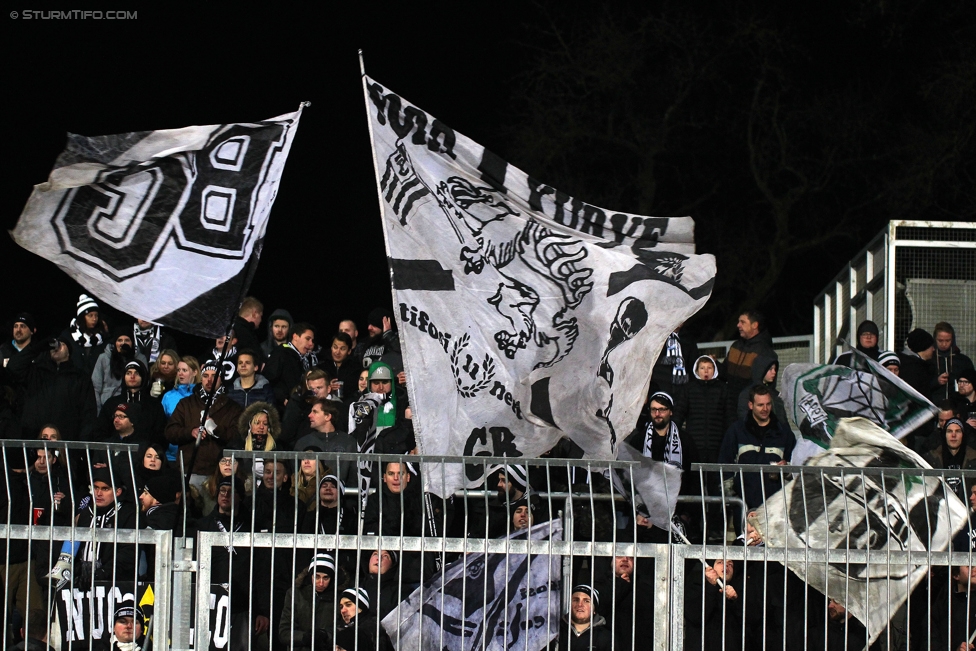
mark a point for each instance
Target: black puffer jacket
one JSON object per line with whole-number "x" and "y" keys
{"x": 53, "y": 393}
{"x": 706, "y": 413}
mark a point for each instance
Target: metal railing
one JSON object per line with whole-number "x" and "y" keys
{"x": 584, "y": 528}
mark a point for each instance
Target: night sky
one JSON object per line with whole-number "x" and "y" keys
{"x": 324, "y": 257}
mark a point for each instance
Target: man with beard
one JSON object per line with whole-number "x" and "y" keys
{"x": 145, "y": 411}
{"x": 658, "y": 437}
{"x": 584, "y": 628}
{"x": 184, "y": 427}
{"x": 966, "y": 400}
{"x": 250, "y": 604}
{"x": 382, "y": 337}
{"x": 23, "y": 330}
{"x": 294, "y": 421}
{"x": 279, "y": 331}
{"x": 289, "y": 362}
{"x": 758, "y": 439}
{"x": 343, "y": 370}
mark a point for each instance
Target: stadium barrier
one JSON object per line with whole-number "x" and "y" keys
{"x": 865, "y": 532}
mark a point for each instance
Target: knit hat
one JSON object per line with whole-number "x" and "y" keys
{"x": 375, "y": 317}
{"x": 128, "y": 609}
{"x": 139, "y": 366}
{"x": 101, "y": 474}
{"x": 164, "y": 488}
{"x": 887, "y": 358}
{"x": 662, "y": 397}
{"x": 26, "y": 318}
{"x": 210, "y": 364}
{"x": 868, "y": 327}
{"x": 919, "y": 340}
{"x": 589, "y": 590}
{"x": 334, "y": 480}
{"x": 516, "y": 474}
{"x": 86, "y": 304}
{"x": 234, "y": 481}
{"x": 967, "y": 374}
{"x": 358, "y": 596}
{"x": 323, "y": 563}
{"x": 123, "y": 407}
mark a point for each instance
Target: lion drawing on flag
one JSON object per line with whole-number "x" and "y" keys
{"x": 534, "y": 262}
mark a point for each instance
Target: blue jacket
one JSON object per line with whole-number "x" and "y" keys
{"x": 174, "y": 395}
{"x": 746, "y": 443}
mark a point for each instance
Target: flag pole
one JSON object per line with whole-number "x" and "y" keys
{"x": 677, "y": 532}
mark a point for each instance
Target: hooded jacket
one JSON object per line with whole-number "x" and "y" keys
{"x": 310, "y": 611}
{"x": 759, "y": 369}
{"x": 268, "y": 345}
{"x": 596, "y": 638}
{"x": 146, "y": 412}
{"x": 706, "y": 412}
{"x": 105, "y": 384}
{"x": 174, "y": 395}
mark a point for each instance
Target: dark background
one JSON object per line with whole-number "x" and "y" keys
{"x": 791, "y": 135}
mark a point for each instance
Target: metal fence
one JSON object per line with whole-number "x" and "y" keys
{"x": 477, "y": 570}
{"x": 796, "y": 349}
{"x": 913, "y": 274}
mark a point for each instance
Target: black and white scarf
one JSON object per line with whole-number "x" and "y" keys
{"x": 90, "y": 550}
{"x": 205, "y": 395}
{"x": 82, "y": 338}
{"x": 148, "y": 340}
{"x": 674, "y": 358}
{"x": 673, "y": 453}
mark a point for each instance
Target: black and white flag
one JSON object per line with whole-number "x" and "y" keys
{"x": 486, "y": 602}
{"x": 896, "y": 511}
{"x": 525, "y": 314}
{"x": 166, "y": 226}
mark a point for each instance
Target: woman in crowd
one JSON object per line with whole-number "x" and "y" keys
{"x": 227, "y": 467}
{"x": 309, "y": 607}
{"x": 163, "y": 372}
{"x": 88, "y": 334}
{"x": 259, "y": 427}
{"x": 110, "y": 366}
{"x": 187, "y": 378}
{"x": 310, "y": 473}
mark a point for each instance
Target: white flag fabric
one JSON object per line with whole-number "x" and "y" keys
{"x": 166, "y": 226}
{"x": 492, "y": 602}
{"x": 656, "y": 485}
{"x": 897, "y": 511}
{"x": 525, "y": 314}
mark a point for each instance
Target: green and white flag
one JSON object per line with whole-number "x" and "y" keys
{"x": 818, "y": 396}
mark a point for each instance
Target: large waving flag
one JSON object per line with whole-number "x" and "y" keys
{"x": 525, "y": 314}
{"x": 166, "y": 226}
{"x": 897, "y": 511}
{"x": 818, "y": 396}
{"x": 486, "y": 602}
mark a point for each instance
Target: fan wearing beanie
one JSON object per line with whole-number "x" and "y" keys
{"x": 306, "y": 620}
{"x": 917, "y": 361}
{"x": 87, "y": 333}
{"x": 356, "y": 629}
{"x": 867, "y": 343}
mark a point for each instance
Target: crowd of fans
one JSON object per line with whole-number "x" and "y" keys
{"x": 319, "y": 392}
